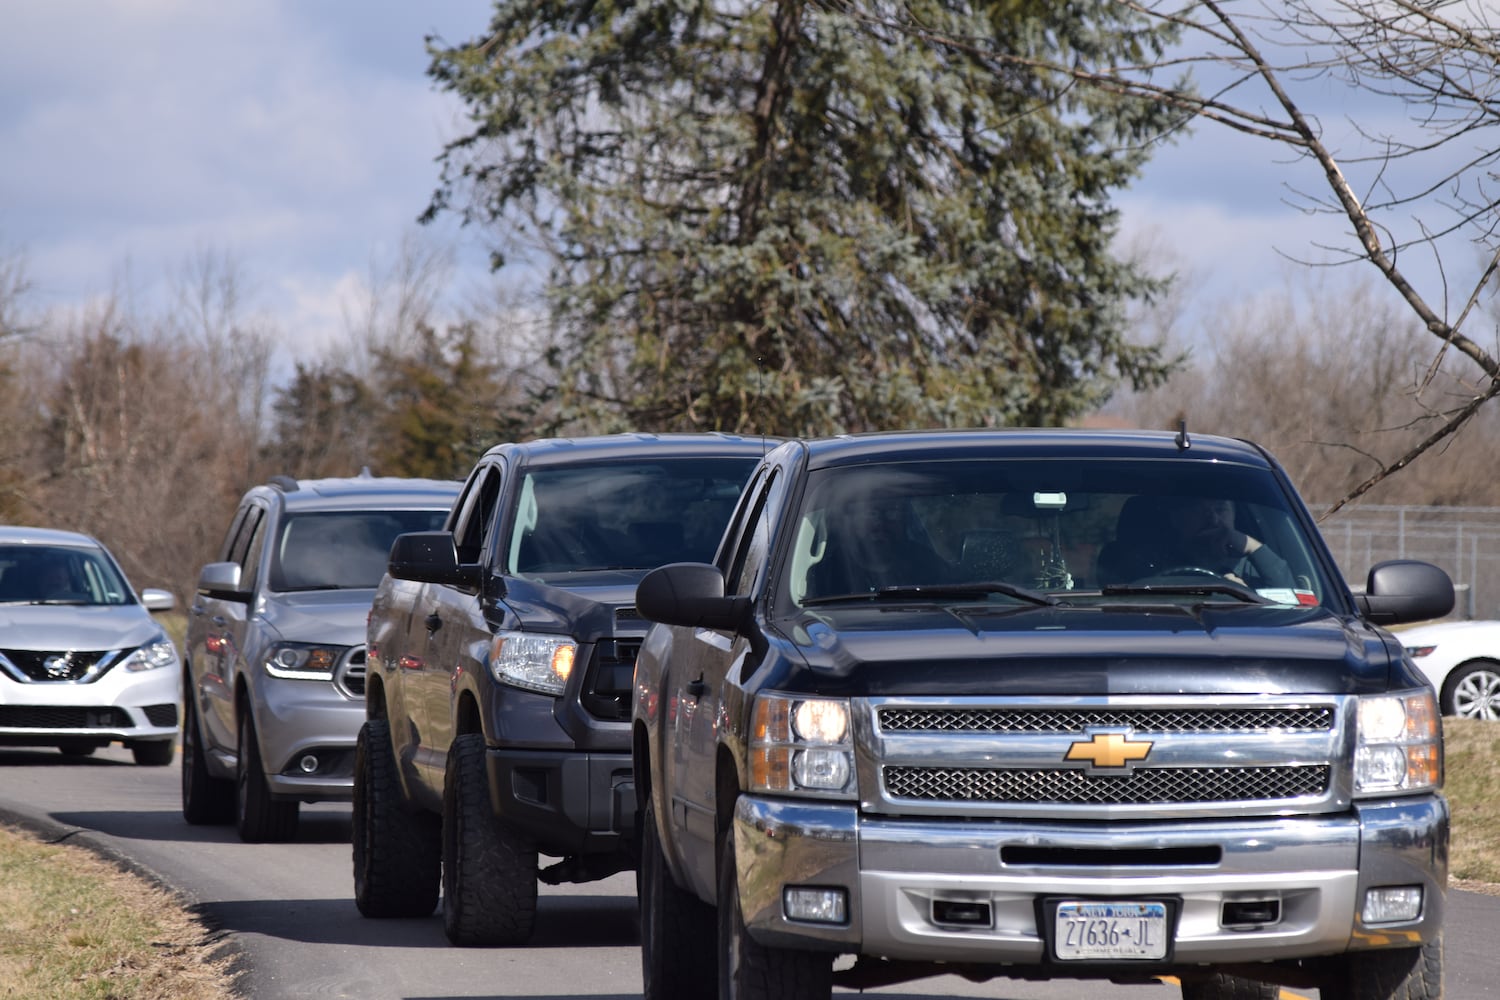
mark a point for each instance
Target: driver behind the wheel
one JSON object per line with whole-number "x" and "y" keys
{"x": 1201, "y": 534}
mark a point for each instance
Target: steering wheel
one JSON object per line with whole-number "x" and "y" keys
{"x": 1187, "y": 571}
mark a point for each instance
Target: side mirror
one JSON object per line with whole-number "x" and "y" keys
{"x": 431, "y": 557}
{"x": 1405, "y": 590}
{"x": 156, "y": 599}
{"x": 690, "y": 594}
{"x": 222, "y": 580}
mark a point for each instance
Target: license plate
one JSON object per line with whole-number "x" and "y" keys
{"x": 1096, "y": 929}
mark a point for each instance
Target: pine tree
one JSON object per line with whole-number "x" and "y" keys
{"x": 797, "y": 217}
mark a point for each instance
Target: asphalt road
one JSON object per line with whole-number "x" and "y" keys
{"x": 289, "y": 907}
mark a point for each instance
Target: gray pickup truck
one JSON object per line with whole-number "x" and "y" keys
{"x": 1035, "y": 704}
{"x": 500, "y": 658}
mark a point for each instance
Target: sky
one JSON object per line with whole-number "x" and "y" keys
{"x": 298, "y": 138}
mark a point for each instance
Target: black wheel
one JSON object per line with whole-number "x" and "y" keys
{"x": 1394, "y": 974}
{"x": 154, "y": 753}
{"x": 489, "y": 870}
{"x": 206, "y": 800}
{"x": 678, "y": 948}
{"x": 78, "y": 748}
{"x": 1222, "y": 987}
{"x": 260, "y": 818}
{"x": 397, "y": 853}
{"x": 749, "y": 970}
{"x": 1472, "y": 691}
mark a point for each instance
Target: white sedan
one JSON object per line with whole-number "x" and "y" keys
{"x": 1462, "y": 660}
{"x": 82, "y": 661}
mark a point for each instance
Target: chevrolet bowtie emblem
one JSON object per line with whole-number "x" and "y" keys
{"x": 1109, "y": 750}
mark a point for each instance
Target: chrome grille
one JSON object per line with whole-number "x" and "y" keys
{"x": 350, "y": 673}
{"x": 1141, "y": 786}
{"x": 67, "y": 665}
{"x": 1312, "y": 718}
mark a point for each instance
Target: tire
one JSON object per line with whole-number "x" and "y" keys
{"x": 206, "y": 800}
{"x": 398, "y": 854}
{"x": 154, "y": 753}
{"x": 1472, "y": 691}
{"x": 260, "y": 818}
{"x": 77, "y": 748}
{"x": 489, "y": 870}
{"x": 679, "y": 953}
{"x": 749, "y": 970}
{"x": 1222, "y": 987}
{"x": 1394, "y": 974}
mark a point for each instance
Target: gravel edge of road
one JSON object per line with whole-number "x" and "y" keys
{"x": 224, "y": 944}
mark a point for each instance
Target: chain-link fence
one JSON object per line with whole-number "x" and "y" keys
{"x": 1465, "y": 541}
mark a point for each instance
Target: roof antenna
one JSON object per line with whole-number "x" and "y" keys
{"x": 1183, "y": 442}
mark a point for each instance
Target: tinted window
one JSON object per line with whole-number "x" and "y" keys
{"x": 31, "y": 574}
{"x": 342, "y": 549}
{"x": 1063, "y": 525}
{"x": 635, "y": 514}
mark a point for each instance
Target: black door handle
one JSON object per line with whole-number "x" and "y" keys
{"x": 696, "y": 687}
{"x": 434, "y": 622}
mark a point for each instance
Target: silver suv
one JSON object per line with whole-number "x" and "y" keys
{"x": 274, "y": 658}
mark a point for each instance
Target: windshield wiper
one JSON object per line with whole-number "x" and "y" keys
{"x": 1227, "y": 587}
{"x": 911, "y": 592}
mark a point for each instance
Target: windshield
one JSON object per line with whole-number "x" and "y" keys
{"x": 342, "y": 550}
{"x": 635, "y": 514}
{"x": 56, "y": 574}
{"x": 1028, "y": 531}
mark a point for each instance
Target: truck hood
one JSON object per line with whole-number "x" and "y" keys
{"x": 1089, "y": 651}
{"x": 46, "y": 627}
{"x": 595, "y": 607}
{"x": 333, "y": 616}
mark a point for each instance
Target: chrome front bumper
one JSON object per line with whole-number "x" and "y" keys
{"x": 1317, "y": 868}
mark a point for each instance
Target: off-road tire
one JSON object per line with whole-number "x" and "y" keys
{"x": 153, "y": 753}
{"x": 749, "y": 970}
{"x": 1391, "y": 974}
{"x": 398, "y": 853}
{"x": 1222, "y": 987}
{"x": 489, "y": 870}
{"x": 206, "y": 800}
{"x": 679, "y": 953}
{"x": 259, "y": 818}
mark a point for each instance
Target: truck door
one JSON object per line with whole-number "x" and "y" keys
{"x": 705, "y": 684}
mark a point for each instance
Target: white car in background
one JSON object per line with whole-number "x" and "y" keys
{"x": 1462, "y": 660}
{"x": 82, "y": 662}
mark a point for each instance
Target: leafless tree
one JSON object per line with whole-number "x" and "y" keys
{"x": 1415, "y": 174}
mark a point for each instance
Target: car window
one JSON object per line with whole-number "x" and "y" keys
{"x": 476, "y": 515}
{"x": 755, "y": 546}
{"x": 631, "y": 514}
{"x": 251, "y": 544}
{"x": 1102, "y": 526}
{"x": 341, "y": 550}
{"x": 32, "y": 574}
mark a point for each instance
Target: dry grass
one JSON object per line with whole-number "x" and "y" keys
{"x": 1473, "y": 786}
{"x": 74, "y": 926}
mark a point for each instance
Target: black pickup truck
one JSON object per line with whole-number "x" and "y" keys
{"x": 1035, "y": 704}
{"x": 499, "y": 665}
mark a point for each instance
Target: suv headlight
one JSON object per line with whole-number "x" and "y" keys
{"x": 303, "y": 661}
{"x": 159, "y": 652}
{"x": 1399, "y": 744}
{"x": 534, "y": 662}
{"x": 801, "y": 745}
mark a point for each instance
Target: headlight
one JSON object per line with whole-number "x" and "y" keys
{"x": 801, "y": 745}
{"x": 303, "y": 661}
{"x": 534, "y": 662}
{"x": 1398, "y": 746}
{"x": 157, "y": 653}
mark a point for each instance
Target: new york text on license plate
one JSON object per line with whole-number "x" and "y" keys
{"x": 1094, "y": 929}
